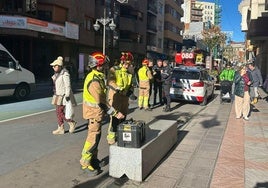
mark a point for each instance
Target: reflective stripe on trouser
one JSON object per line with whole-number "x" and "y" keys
{"x": 112, "y": 128}
{"x": 91, "y": 144}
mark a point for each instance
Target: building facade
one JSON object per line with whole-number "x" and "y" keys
{"x": 37, "y": 31}
{"x": 173, "y": 28}
{"x": 255, "y": 24}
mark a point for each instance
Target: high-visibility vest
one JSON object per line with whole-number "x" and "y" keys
{"x": 142, "y": 73}
{"x": 94, "y": 75}
{"x": 123, "y": 78}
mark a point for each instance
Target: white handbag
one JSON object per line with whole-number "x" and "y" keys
{"x": 69, "y": 111}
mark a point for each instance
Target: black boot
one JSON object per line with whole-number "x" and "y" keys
{"x": 97, "y": 164}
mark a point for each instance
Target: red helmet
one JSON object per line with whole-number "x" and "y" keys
{"x": 126, "y": 57}
{"x": 96, "y": 59}
{"x": 145, "y": 62}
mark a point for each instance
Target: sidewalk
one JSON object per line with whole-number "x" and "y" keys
{"x": 221, "y": 153}
{"x": 243, "y": 157}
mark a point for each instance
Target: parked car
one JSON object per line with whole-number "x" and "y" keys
{"x": 14, "y": 79}
{"x": 193, "y": 84}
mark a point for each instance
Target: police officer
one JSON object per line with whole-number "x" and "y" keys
{"x": 157, "y": 81}
{"x": 166, "y": 72}
{"x": 94, "y": 107}
{"x": 120, "y": 89}
{"x": 145, "y": 77}
{"x": 150, "y": 66}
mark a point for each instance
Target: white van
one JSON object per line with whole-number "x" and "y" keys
{"x": 14, "y": 79}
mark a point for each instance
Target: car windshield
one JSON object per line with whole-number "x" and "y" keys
{"x": 179, "y": 74}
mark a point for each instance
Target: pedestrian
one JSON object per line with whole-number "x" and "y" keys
{"x": 241, "y": 91}
{"x": 227, "y": 78}
{"x": 120, "y": 89}
{"x": 94, "y": 107}
{"x": 166, "y": 73}
{"x": 145, "y": 77}
{"x": 62, "y": 94}
{"x": 157, "y": 81}
{"x": 228, "y": 73}
{"x": 257, "y": 82}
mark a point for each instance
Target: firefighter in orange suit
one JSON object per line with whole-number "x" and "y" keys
{"x": 145, "y": 77}
{"x": 120, "y": 88}
{"x": 94, "y": 107}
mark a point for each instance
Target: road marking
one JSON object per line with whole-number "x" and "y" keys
{"x": 29, "y": 115}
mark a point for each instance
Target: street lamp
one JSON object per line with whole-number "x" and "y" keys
{"x": 104, "y": 21}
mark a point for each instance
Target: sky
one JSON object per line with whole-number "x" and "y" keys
{"x": 231, "y": 18}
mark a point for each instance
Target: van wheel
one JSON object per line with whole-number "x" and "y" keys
{"x": 205, "y": 101}
{"x": 22, "y": 92}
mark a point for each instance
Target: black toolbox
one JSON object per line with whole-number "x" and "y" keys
{"x": 131, "y": 134}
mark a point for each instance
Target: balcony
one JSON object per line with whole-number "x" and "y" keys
{"x": 128, "y": 24}
{"x": 152, "y": 9}
{"x": 151, "y": 28}
{"x": 258, "y": 29}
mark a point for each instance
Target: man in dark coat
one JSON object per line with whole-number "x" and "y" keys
{"x": 166, "y": 84}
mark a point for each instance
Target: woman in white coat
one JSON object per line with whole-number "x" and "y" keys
{"x": 64, "y": 94}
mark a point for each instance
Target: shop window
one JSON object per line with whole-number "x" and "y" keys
{"x": 45, "y": 15}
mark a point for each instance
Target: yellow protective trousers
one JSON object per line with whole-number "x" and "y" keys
{"x": 143, "y": 99}
{"x": 90, "y": 148}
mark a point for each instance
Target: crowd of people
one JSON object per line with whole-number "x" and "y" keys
{"x": 108, "y": 93}
{"x": 245, "y": 81}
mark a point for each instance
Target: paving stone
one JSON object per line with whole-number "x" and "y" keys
{"x": 193, "y": 142}
{"x": 159, "y": 182}
{"x": 256, "y": 151}
{"x": 256, "y": 177}
{"x": 177, "y": 154}
{"x": 169, "y": 171}
{"x": 191, "y": 180}
{"x": 210, "y": 147}
{"x": 211, "y": 141}
{"x": 254, "y": 131}
{"x": 207, "y": 154}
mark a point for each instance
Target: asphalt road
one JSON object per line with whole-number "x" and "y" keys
{"x": 27, "y": 143}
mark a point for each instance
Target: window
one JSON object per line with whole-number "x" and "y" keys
{"x": 31, "y": 6}
{"x": 179, "y": 74}
{"x": 87, "y": 24}
{"x": 160, "y": 8}
{"x": 6, "y": 61}
{"x": 160, "y": 26}
{"x": 45, "y": 15}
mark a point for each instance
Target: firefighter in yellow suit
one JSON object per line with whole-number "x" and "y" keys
{"x": 120, "y": 88}
{"x": 145, "y": 77}
{"x": 94, "y": 107}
